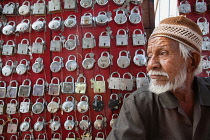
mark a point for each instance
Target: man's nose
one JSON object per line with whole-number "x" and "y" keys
{"x": 153, "y": 63}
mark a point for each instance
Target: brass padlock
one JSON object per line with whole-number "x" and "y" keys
{"x": 55, "y": 124}
{"x": 9, "y": 48}
{"x": 54, "y": 88}
{"x": 39, "y": 8}
{"x": 3, "y": 89}
{"x": 99, "y": 86}
{"x": 99, "y": 123}
{"x": 12, "y": 90}
{"x": 38, "y": 66}
{"x": 2, "y": 126}
{"x": 24, "y": 9}
{"x": 83, "y": 104}
{"x": 105, "y": 61}
{"x": 102, "y": 2}
{"x": 123, "y": 61}
{"x": 56, "y": 45}
{"x": 86, "y": 3}
{"x": 104, "y": 40}
{"x": 204, "y": 26}
{"x": 119, "y": 2}
{"x": 184, "y": 7}
{"x": 56, "y": 66}
{"x": 135, "y": 17}
{"x": 127, "y": 83}
{"x": 70, "y": 5}
{"x": 141, "y": 81}
{"x": 71, "y": 65}
{"x": 12, "y": 126}
{"x": 67, "y": 87}
{"x": 55, "y": 23}
{"x": 38, "y": 47}
{"x": 71, "y": 44}
{"x": 38, "y": 107}
{"x": 80, "y": 87}
{"x": 25, "y": 125}
{"x": 27, "y": 137}
{"x": 88, "y": 63}
{"x": 88, "y": 42}
{"x": 25, "y": 106}
{"x": 87, "y": 20}
{"x": 114, "y": 118}
{"x": 23, "y": 26}
{"x": 101, "y": 18}
{"x": 39, "y": 89}
{"x": 140, "y": 59}
{"x": 68, "y": 105}
{"x": 12, "y": 107}
{"x": 120, "y": 17}
{"x": 39, "y": 25}
{"x": 25, "y": 89}
{"x": 23, "y": 68}
{"x": 121, "y": 39}
{"x": 53, "y": 106}
{"x": 86, "y": 136}
{"x": 102, "y": 137}
{"x": 114, "y": 82}
{"x": 2, "y": 107}
{"x": 41, "y": 135}
{"x": 138, "y": 38}
{"x": 84, "y": 124}
{"x": 69, "y": 123}
{"x": 71, "y": 21}
{"x": 39, "y": 125}
{"x": 72, "y": 138}
{"x": 23, "y": 48}
{"x": 55, "y": 137}
{"x": 8, "y": 69}
{"x": 200, "y": 6}
{"x": 54, "y": 6}
{"x": 9, "y": 28}
{"x": 9, "y": 8}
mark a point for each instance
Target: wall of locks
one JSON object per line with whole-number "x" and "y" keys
{"x": 56, "y": 58}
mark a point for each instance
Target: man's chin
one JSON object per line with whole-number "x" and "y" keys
{"x": 159, "y": 88}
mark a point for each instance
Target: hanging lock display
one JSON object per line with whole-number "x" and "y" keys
{"x": 54, "y": 88}
{"x": 100, "y": 122}
{"x": 71, "y": 21}
{"x": 114, "y": 102}
{"x": 54, "y": 6}
{"x": 138, "y": 39}
{"x": 38, "y": 66}
{"x": 12, "y": 126}
{"x": 38, "y": 107}
{"x": 104, "y": 40}
{"x": 25, "y": 89}
{"x": 3, "y": 89}
{"x": 70, "y": 5}
{"x": 23, "y": 48}
{"x": 71, "y": 65}
{"x": 114, "y": 118}
{"x": 98, "y": 103}
{"x": 184, "y": 7}
{"x": 24, "y": 9}
{"x": 9, "y": 28}
{"x": 88, "y": 63}
{"x": 56, "y": 66}
{"x": 67, "y": 87}
{"x": 23, "y": 26}
{"x": 121, "y": 39}
{"x": 71, "y": 44}
{"x": 114, "y": 82}
{"x": 38, "y": 47}
{"x": 9, "y": 8}
{"x": 9, "y": 48}
{"x": 142, "y": 81}
{"x": 55, "y": 24}
{"x": 39, "y": 25}
{"x": 98, "y": 86}
{"x": 204, "y": 26}
{"x": 55, "y": 124}
{"x": 56, "y": 45}
{"x": 69, "y": 123}
{"x": 105, "y": 61}
{"x": 8, "y": 69}
{"x": 84, "y": 124}
{"x": 135, "y": 17}
{"x": 56, "y": 136}
{"x": 200, "y": 6}
{"x": 87, "y": 20}
{"x": 25, "y": 106}
{"x": 53, "y": 106}
{"x": 140, "y": 59}
{"x": 25, "y": 125}
{"x": 12, "y": 107}
{"x": 120, "y": 17}
{"x": 86, "y": 3}
{"x": 102, "y": 137}
{"x": 12, "y": 90}
{"x": 72, "y": 138}
{"x": 23, "y": 68}
{"x": 40, "y": 124}
{"x": 127, "y": 83}
{"x": 80, "y": 87}
{"x": 2, "y": 126}
{"x": 123, "y": 61}
{"x": 88, "y": 42}
{"x": 68, "y": 105}
{"x": 101, "y": 18}
{"x": 83, "y": 104}
{"x": 39, "y": 8}
{"x": 102, "y": 2}
{"x": 39, "y": 89}
{"x": 2, "y": 107}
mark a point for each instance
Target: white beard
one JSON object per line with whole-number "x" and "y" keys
{"x": 169, "y": 86}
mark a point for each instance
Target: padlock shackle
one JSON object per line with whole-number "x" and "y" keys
{"x": 126, "y": 95}
{"x": 41, "y": 19}
{"x": 25, "y": 21}
{"x": 97, "y": 135}
{"x": 88, "y": 33}
{"x": 58, "y": 118}
{"x": 72, "y": 98}
{"x": 81, "y": 76}
{"x": 38, "y": 119}
{"x": 25, "y": 119}
{"x": 114, "y": 116}
{"x": 122, "y": 30}
{"x": 134, "y": 32}
{"x": 24, "y": 39}
{"x": 120, "y": 10}
{"x": 72, "y": 117}
{"x": 116, "y": 73}
{"x": 24, "y": 100}
{"x": 27, "y": 3}
{"x": 27, "y": 80}
{"x": 85, "y": 116}
{"x": 9, "y": 61}
{"x": 55, "y": 78}
{"x": 67, "y": 77}
{"x": 124, "y": 51}
{"x": 16, "y": 102}
{"x": 13, "y": 23}
{"x": 13, "y": 81}
{"x": 96, "y": 97}
{"x": 145, "y": 76}
{"x": 105, "y": 52}
{"x": 143, "y": 52}
{"x": 84, "y": 96}
{"x": 68, "y": 136}
{"x": 99, "y": 75}
{"x": 104, "y": 32}
{"x": 13, "y": 43}
{"x": 43, "y": 100}
{"x": 11, "y": 138}
{"x": 2, "y": 137}
{"x": 60, "y": 59}
{"x": 3, "y": 83}
{"x": 37, "y": 60}
{"x": 114, "y": 94}
{"x": 36, "y": 40}
{"x": 27, "y": 135}
{"x": 54, "y": 135}
{"x": 2, "y": 102}
{"x": 14, "y": 119}
{"x": 38, "y": 1}
{"x": 198, "y": 1}
{"x": 40, "y": 79}
{"x": 57, "y": 17}
{"x": 184, "y": 1}
{"x": 99, "y": 116}
{"x": 42, "y": 135}
{"x": 68, "y": 38}
{"x": 2, "y": 121}
{"x": 75, "y": 59}
{"x": 87, "y": 14}
{"x": 127, "y": 73}
{"x": 56, "y": 98}
{"x": 54, "y": 38}
{"x": 198, "y": 20}
{"x": 135, "y": 10}
{"x": 26, "y": 61}
{"x": 70, "y": 16}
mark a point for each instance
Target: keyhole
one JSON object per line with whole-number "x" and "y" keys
{"x": 138, "y": 42}
{"x": 122, "y": 43}
{"x": 99, "y": 90}
{"x": 104, "y": 44}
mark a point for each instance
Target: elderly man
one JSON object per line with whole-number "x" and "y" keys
{"x": 176, "y": 105}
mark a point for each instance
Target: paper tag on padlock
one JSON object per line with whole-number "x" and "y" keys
{"x": 68, "y": 87}
{"x": 12, "y": 90}
{"x": 127, "y": 83}
{"x": 25, "y": 90}
{"x": 12, "y": 127}
{"x": 80, "y": 87}
{"x": 99, "y": 86}
{"x": 38, "y": 47}
{"x": 121, "y": 39}
{"x": 23, "y": 48}
{"x": 39, "y": 89}
{"x": 54, "y": 88}
{"x": 3, "y": 90}
{"x": 12, "y": 107}
{"x": 56, "y": 45}
{"x": 25, "y": 105}
{"x": 114, "y": 82}
{"x": 104, "y": 40}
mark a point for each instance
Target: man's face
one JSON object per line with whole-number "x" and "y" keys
{"x": 165, "y": 65}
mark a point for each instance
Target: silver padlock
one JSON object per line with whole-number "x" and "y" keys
{"x": 86, "y": 136}
{"x": 25, "y": 89}
{"x": 114, "y": 82}
{"x": 3, "y": 89}
{"x": 41, "y": 135}
{"x": 114, "y": 118}
{"x": 200, "y": 6}
{"x": 71, "y": 65}
{"x": 102, "y": 137}
{"x": 72, "y": 138}
{"x": 127, "y": 83}
{"x": 120, "y": 17}
{"x": 53, "y": 106}
{"x": 140, "y": 59}
{"x": 23, "y": 48}
{"x": 83, "y": 104}
{"x": 39, "y": 8}
{"x": 9, "y": 9}
{"x": 105, "y": 61}
{"x": 38, "y": 107}
{"x": 25, "y": 106}
{"x": 9, "y": 48}
{"x": 9, "y": 28}
{"x": 2, "y": 126}
{"x": 55, "y": 124}
{"x": 13, "y": 137}
{"x": 2, "y": 107}
{"x": 71, "y": 44}
{"x": 39, "y": 25}
{"x": 8, "y": 69}
{"x": 25, "y": 125}
{"x": 99, "y": 86}
{"x": 102, "y": 2}
{"x": 12, "y": 126}
{"x": 135, "y": 17}
{"x": 12, "y": 90}
{"x": 71, "y": 21}
{"x": 204, "y": 26}
{"x": 88, "y": 42}
{"x": 80, "y": 87}
{"x": 67, "y": 87}
{"x": 55, "y": 137}
{"x": 138, "y": 38}
{"x": 54, "y": 88}
{"x": 56, "y": 66}
{"x": 38, "y": 66}
{"x": 101, "y": 18}
{"x": 27, "y": 137}
{"x": 23, "y": 68}
{"x": 141, "y": 81}
{"x": 84, "y": 124}
{"x": 54, "y": 6}
{"x": 121, "y": 39}
{"x": 70, "y": 4}
{"x": 24, "y": 9}
{"x": 184, "y": 7}
{"x": 104, "y": 40}
{"x": 86, "y": 3}
{"x": 38, "y": 47}
{"x": 12, "y": 107}
{"x": 23, "y": 26}
{"x": 68, "y": 105}
{"x": 87, "y": 20}
{"x": 88, "y": 63}
{"x": 205, "y": 63}
{"x": 206, "y": 43}
{"x": 56, "y": 44}
{"x": 69, "y": 123}
{"x": 123, "y": 61}
{"x": 136, "y": 2}
{"x": 99, "y": 123}
{"x": 39, "y": 89}
{"x": 40, "y": 124}
{"x": 55, "y": 24}
{"x": 119, "y": 2}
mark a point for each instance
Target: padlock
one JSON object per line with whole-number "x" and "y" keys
{"x": 67, "y": 87}
{"x": 138, "y": 39}
{"x": 55, "y": 23}
{"x": 127, "y": 83}
{"x": 101, "y": 18}
{"x": 88, "y": 63}
{"x": 56, "y": 45}
{"x": 123, "y": 61}
{"x": 71, "y": 133}
{"x": 2, "y": 137}
{"x": 12, "y": 126}
{"x": 39, "y": 89}
{"x": 206, "y": 43}
{"x": 9, "y": 28}
{"x": 114, "y": 102}
{"x": 3, "y": 89}
{"x": 71, "y": 44}
{"x": 86, "y": 3}
{"x": 141, "y": 81}
{"x": 27, "y": 137}
{"x": 56, "y": 66}
{"x": 70, "y": 5}
{"x": 2, "y": 107}
{"x": 40, "y": 124}
{"x": 69, "y": 123}
{"x": 204, "y": 26}
{"x": 25, "y": 106}
{"x": 68, "y": 105}
{"x": 120, "y": 17}
{"x": 2, "y": 126}
{"x": 136, "y": 2}
{"x": 24, "y": 9}
{"x": 87, "y": 20}
{"x": 9, "y": 48}
{"x": 99, "y": 123}
{"x": 102, "y": 2}
{"x": 71, "y": 65}
{"x": 140, "y": 59}
{"x": 38, "y": 47}
{"x": 55, "y": 124}
{"x": 114, "y": 118}
{"x": 200, "y": 6}
{"x": 54, "y": 88}
{"x": 119, "y": 2}
{"x": 12, "y": 107}
{"x": 38, "y": 107}
{"x": 39, "y": 25}
{"x": 54, "y": 6}
{"x": 23, "y": 26}
{"x": 23, "y": 68}
{"x": 13, "y": 137}
{"x": 23, "y": 48}
{"x": 80, "y": 87}
{"x": 71, "y": 21}
{"x": 39, "y": 8}
{"x": 114, "y": 82}
{"x": 9, "y": 8}
{"x": 25, "y": 89}
{"x": 102, "y": 137}
{"x": 83, "y": 105}
{"x": 43, "y": 136}
{"x": 98, "y": 103}
{"x": 135, "y": 17}
{"x": 126, "y": 95}
{"x": 104, "y": 40}
{"x": 38, "y": 66}
{"x": 55, "y": 137}
{"x": 99, "y": 86}
{"x": 205, "y": 63}
{"x": 25, "y": 125}
{"x": 121, "y": 39}
{"x": 12, "y": 90}
{"x": 86, "y": 136}
{"x": 105, "y": 61}
{"x": 53, "y": 106}
{"x": 84, "y": 124}
{"x": 184, "y": 7}
{"x": 88, "y": 42}
{"x": 8, "y": 69}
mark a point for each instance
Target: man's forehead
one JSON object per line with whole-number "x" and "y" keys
{"x": 162, "y": 41}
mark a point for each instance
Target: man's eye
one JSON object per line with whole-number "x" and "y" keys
{"x": 163, "y": 53}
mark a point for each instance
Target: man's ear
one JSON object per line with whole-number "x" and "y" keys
{"x": 194, "y": 61}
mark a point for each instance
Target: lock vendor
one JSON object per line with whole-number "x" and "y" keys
{"x": 175, "y": 105}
